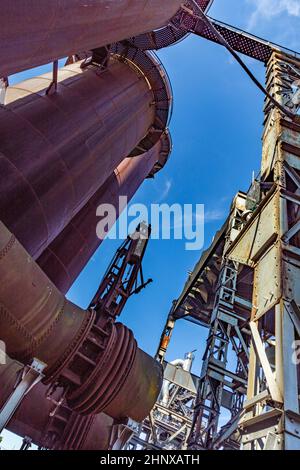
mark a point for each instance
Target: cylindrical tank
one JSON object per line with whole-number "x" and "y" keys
{"x": 96, "y": 361}
{"x": 67, "y": 255}
{"x": 37, "y": 32}
{"x": 57, "y": 150}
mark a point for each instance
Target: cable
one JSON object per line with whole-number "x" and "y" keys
{"x": 223, "y": 41}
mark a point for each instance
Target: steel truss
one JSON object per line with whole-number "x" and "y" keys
{"x": 220, "y": 387}
{"x": 271, "y": 419}
{"x": 252, "y": 307}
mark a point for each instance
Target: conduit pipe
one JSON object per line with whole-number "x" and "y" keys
{"x": 96, "y": 361}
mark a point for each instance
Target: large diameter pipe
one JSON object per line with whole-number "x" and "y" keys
{"x": 57, "y": 150}
{"x": 97, "y": 363}
{"x": 37, "y": 32}
{"x": 35, "y": 318}
{"x": 67, "y": 255}
{"x": 39, "y": 418}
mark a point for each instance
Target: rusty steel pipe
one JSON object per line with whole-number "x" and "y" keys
{"x": 35, "y": 318}
{"x": 66, "y": 256}
{"x": 57, "y": 150}
{"x": 34, "y": 32}
{"x": 38, "y": 418}
{"x": 96, "y": 362}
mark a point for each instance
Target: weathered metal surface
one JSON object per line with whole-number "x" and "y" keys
{"x": 258, "y": 234}
{"x": 181, "y": 377}
{"x": 67, "y": 255}
{"x": 9, "y": 373}
{"x": 35, "y": 421}
{"x": 269, "y": 244}
{"x": 222, "y": 381}
{"x": 140, "y": 390}
{"x": 240, "y": 40}
{"x": 70, "y": 142}
{"x": 61, "y": 428}
{"x": 30, "y": 376}
{"x": 95, "y": 360}
{"x": 157, "y": 77}
{"x": 124, "y": 275}
{"x": 267, "y": 273}
{"x": 197, "y": 299}
{"x": 276, "y": 277}
{"x": 34, "y": 33}
{"x": 32, "y": 310}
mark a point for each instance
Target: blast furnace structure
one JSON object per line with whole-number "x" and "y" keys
{"x": 85, "y": 134}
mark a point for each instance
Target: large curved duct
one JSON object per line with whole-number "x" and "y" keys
{"x": 37, "y": 32}
{"x": 65, "y": 145}
{"x": 66, "y": 256}
{"x": 96, "y": 361}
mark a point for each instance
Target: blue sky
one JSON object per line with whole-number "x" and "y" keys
{"x": 216, "y": 130}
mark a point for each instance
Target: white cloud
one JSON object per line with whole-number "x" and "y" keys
{"x": 166, "y": 190}
{"x": 268, "y": 9}
{"x": 212, "y": 215}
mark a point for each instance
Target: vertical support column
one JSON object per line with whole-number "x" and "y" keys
{"x": 31, "y": 375}
{"x": 272, "y": 419}
{"x": 220, "y": 387}
{"x": 3, "y": 88}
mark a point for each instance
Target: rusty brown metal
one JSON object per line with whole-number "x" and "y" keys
{"x": 33, "y": 34}
{"x": 72, "y": 140}
{"x": 48, "y": 427}
{"x": 61, "y": 428}
{"x": 139, "y": 391}
{"x": 94, "y": 360}
{"x": 66, "y": 256}
{"x": 32, "y": 309}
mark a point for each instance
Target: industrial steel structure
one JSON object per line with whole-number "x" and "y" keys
{"x": 86, "y": 134}
{"x": 169, "y": 423}
{"x": 245, "y": 289}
